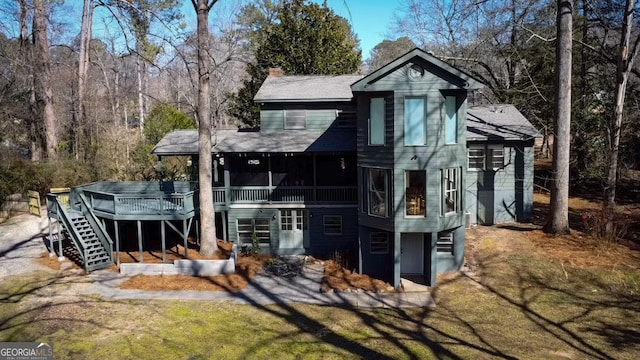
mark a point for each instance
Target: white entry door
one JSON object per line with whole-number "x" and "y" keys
{"x": 294, "y": 226}
{"x": 412, "y": 253}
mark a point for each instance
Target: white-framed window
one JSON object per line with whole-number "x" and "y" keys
{"x": 451, "y": 120}
{"x": 445, "y": 242}
{"x": 476, "y": 158}
{"x": 415, "y": 121}
{"x": 415, "y": 192}
{"x": 485, "y": 157}
{"x": 376, "y": 121}
{"x": 379, "y": 243}
{"x": 450, "y": 190}
{"x": 247, "y": 227}
{"x": 496, "y": 155}
{"x": 295, "y": 119}
{"x": 294, "y": 219}
{"x": 332, "y": 224}
{"x": 378, "y": 189}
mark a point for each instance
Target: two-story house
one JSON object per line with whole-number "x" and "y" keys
{"x": 386, "y": 169}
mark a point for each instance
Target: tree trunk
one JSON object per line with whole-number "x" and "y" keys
{"x": 208, "y": 244}
{"x": 35, "y": 128}
{"x": 139, "y": 71}
{"x": 558, "y": 220}
{"x": 42, "y": 78}
{"x": 626, "y": 57}
{"x": 83, "y": 67}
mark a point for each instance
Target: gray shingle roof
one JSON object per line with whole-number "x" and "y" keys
{"x": 498, "y": 122}
{"x": 306, "y": 88}
{"x": 486, "y": 122}
{"x": 184, "y": 142}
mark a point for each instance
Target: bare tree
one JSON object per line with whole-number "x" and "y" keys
{"x": 83, "y": 67}
{"x": 558, "y": 219}
{"x": 41, "y": 73}
{"x": 208, "y": 242}
{"x": 625, "y": 57}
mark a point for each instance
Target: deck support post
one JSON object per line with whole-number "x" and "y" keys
{"x": 60, "y": 254}
{"x": 185, "y": 236}
{"x": 223, "y": 216}
{"x": 52, "y": 252}
{"x": 164, "y": 245}
{"x": 140, "y": 241}
{"x": 116, "y": 229}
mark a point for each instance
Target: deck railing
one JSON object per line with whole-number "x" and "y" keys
{"x": 141, "y": 204}
{"x": 294, "y": 194}
{"x": 138, "y": 198}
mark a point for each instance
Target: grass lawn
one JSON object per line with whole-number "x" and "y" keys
{"x": 523, "y": 297}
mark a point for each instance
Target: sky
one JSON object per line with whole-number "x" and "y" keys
{"x": 370, "y": 19}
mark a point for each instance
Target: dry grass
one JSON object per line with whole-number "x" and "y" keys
{"x": 246, "y": 269}
{"x": 338, "y": 278}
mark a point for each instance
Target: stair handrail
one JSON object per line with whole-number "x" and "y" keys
{"x": 63, "y": 216}
{"x": 96, "y": 225}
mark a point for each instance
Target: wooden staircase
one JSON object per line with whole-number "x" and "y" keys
{"x": 96, "y": 255}
{"x": 84, "y": 230}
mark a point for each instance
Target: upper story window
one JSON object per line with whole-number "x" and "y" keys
{"x": 415, "y": 121}
{"x": 377, "y": 192}
{"x": 376, "y": 121}
{"x": 451, "y": 120}
{"x": 295, "y": 119}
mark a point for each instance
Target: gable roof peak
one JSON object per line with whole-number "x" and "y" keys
{"x": 467, "y": 81}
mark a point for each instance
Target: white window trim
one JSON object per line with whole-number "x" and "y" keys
{"x": 406, "y": 173}
{"x": 386, "y": 192}
{"x": 484, "y": 157}
{"x": 456, "y": 190}
{"x": 490, "y": 157}
{"x": 253, "y": 223}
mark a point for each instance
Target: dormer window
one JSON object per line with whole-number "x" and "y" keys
{"x": 295, "y": 119}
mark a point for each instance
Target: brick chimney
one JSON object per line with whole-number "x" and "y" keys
{"x": 276, "y": 71}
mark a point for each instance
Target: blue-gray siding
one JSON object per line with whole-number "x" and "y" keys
{"x": 506, "y": 194}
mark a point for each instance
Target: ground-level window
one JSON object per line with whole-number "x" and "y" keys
{"x": 332, "y": 224}
{"x": 451, "y": 190}
{"x": 247, "y": 228}
{"x": 379, "y": 243}
{"x": 445, "y": 242}
{"x": 378, "y": 189}
{"x": 415, "y": 188}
